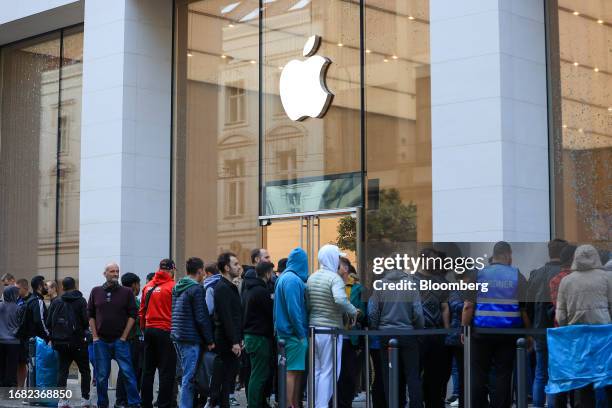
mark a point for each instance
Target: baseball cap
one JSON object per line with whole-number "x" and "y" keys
{"x": 167, "y": 264}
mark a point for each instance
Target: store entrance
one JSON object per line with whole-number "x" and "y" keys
{"x": 310, "y": 231}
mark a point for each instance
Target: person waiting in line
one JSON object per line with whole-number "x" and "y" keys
{"x": 132, "y": 281}
{"x": 155, "y": 315}
{"x": 36, "y": 311}
{"x": 258, "y": 331}
{"x": 9, "y": 343}
{"x": 399, "y": 309}
{"x": 291, "y": 321}
{"x": 436, "y": 359}
{"x": 228, "y": 331}
{"x": 350, "y": 364}
{"x": 52, "y": 291}
{"x": 585, "y": 297}
{"x": 538, "y": 308}
{"x": 112, "y": 313}
{"x": 456, "y": 301}
{"x": 327, "y": 304}
{"x": 68, "y": 328}
{"x": 8, "y": 280}
{"x": 500, "y": 307}
{"x": 191, "y": 326}
{"x": 22, "y": 369}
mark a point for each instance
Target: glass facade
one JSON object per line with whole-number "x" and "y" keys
{"x": 239, "y": 158}
{"x": 40, "y": 126}
{"x": 582, "y": 129}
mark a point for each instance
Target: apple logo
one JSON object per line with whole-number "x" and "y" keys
{"x": 303, "y": 91}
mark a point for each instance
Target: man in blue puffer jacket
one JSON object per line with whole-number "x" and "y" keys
{"x": 191, "y": 325}
{"x": 291, "y": 320}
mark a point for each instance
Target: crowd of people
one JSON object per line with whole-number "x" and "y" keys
{"x": 220, "y": 323}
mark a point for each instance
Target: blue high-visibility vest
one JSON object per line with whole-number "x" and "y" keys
{"x": 499, "y": 306}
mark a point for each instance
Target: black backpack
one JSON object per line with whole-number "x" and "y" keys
{"x": 63, "y": 323}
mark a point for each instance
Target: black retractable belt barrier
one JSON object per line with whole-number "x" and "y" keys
{"x": 393, "y": 374}
{"x": 521, "y": 373}
{"x": 311, "y": 367}
{"x": 282, "y": 375}
{"x": 334, "y": 340}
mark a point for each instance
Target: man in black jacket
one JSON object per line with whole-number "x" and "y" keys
{"x": 36, "y": 310}
{"x": 258, "y": 331}
{"x": 228, "y": 330}
{"x": 539, "y": 306}
{"x": 191, "y": 326}
{"x": 70, "y": 344}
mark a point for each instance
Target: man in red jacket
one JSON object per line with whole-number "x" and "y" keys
{"x": 156, "y": 321}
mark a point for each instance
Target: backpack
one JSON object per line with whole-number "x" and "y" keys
{"x": 63, "y": 322}
{"x": 20, "y": 330}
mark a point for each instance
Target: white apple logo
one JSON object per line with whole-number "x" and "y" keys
{"x": 303, "y": 90}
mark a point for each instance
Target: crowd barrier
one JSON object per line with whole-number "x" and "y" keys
{"x": 393, "y": 350}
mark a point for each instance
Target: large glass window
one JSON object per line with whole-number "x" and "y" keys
{"x": 216, "y": 129}
{"x": 582, "y": 160}
{"x": 40, "y": 96}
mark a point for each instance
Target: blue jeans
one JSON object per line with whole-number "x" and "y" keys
{"x": 455, "y": 377}
{"x": 541, "y": 378}
{"x": 189, "y": 354}
{"x": 119, "y": 351}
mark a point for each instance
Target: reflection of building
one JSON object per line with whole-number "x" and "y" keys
{"x": 184, "y": 148}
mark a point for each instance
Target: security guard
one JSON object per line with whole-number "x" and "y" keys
{"x": 500, "y": 307}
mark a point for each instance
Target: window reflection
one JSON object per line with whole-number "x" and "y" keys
{"x": 583, "y": 155}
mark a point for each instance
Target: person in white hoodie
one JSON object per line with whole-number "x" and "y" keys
{"x": 327, "y": 304}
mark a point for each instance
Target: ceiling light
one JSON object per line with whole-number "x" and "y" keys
{"x": 224, "y": 56}
{"x": 576, "y": 64}
{"x": 564, "y": 126}
{"x": 253, "y": 62}
{"x": 580, "y": 130}
{"x": 596, "y": 69}
{"x": 410, "y": 18}
{"x": 610, "y": 109}
{"x": 600, "y": 21}
{"x": 576, "y": 13}
{"x": 340, "y": 45}
{"x": 229, "y": 8}
{"x": 368, "y": 51}
{"x": 189, "y": 54}
{"x": 394, "y": 57}
{"x": 385, "y": 60}
{"x": 280, "y": 67}
{"x": 230, "y": 25}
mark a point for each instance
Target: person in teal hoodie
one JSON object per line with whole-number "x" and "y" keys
{"x": 291, "y": 320}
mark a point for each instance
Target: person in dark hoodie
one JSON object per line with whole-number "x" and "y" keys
{"x": 291, "y": 320}
{"x": 258, "y": 330}
{"x": 538, "y": 306}
{"x": 9, "y": 343}
{"x": 399, "y": 309}
{"x": 228, "y": 330}
{"x": 67, "y": 322}
{"x": 191, "y": 325}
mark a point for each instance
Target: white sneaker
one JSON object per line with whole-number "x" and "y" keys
{"x": 85, "y": 403}
{"x": 63, "y": 404}
{"x": 455, "y": 403}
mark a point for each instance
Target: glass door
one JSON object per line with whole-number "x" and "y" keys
{"x": 280, "y": 235}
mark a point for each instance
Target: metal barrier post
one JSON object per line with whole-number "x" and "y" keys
{"x": 367, "y": 368}
{"x": 282, "y": 375}
{"x": 310, "y": 395}
{"x": 335, "y": 368}
{"x": 521, "y": 373}
{"x": 32, "y": 362}
{"x": 393, "y": 374}
{"x": 467, "y": 367}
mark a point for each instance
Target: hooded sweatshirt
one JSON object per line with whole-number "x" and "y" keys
{"x": 257, "y": 307}
{"x": 209, "y": 286}
{"x": 159, "y": 312}
{"x": 8, "y": 316}
{"x": 585, "y": 296}
{"x": 290, "y": 314}
{"x": 77, "y": 302}
{"x": 190, "y": 318}
{"x": 396, "y": 309}
{"x": 327, "y": 300}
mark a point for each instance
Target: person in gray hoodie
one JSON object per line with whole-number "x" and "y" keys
{"x": 9, "y": 343}
{"x": 327, "y": 303}
{"x": 396, "y": 304}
